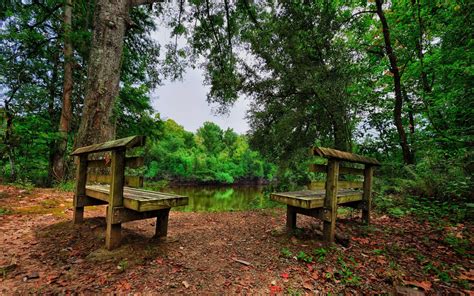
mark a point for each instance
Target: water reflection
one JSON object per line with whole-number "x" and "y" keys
{"x": 218, "y": 198}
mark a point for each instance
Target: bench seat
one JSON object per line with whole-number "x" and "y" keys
{"x": 139, "y": 200}
{"x": 313, "y": 199}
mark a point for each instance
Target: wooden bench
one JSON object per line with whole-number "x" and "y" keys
{"x": 124, "y": 201}
{"x": 322, "y": 198}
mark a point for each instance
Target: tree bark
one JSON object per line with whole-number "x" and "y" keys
{"x": 408, "y": 156}
{"x": 66, "y": 111}
{"x": 110, "y": 21}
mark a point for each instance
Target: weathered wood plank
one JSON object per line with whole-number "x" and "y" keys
{"x": 131, "y": 181}
{"x": 313, "y": 201}
{"x": 84, "y": 201}
{"x": 367, "y": 196}
{"x": 318, "y": 185}
{"x": 150, "y": 205}
{"x": 122, "y": 215}
{"x": 80, "y": 191}
{"x": 139, "y": 199}
{"x": 113, "y": 232}
{"x": 330, "y": 200}
{"x": 130, "y": 162}
{"x": 129, "y": 142}
{"x": 344, "y": 156}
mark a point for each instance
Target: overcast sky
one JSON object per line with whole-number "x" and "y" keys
{"x": 185, "y": 101}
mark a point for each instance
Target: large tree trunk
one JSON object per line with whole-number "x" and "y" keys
{"x": 66, "y": 111}
{"x": 408, "y": 156}
{"x": 110, "y": 20}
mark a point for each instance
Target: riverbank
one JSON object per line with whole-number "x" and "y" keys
{"x": 244, "y": 252}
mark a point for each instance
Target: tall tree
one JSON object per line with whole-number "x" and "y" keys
{"x": 408, "y": 156}
{"x": 66, "y": 110}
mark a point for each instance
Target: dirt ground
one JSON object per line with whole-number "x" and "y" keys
{"x": 248, "y": 252}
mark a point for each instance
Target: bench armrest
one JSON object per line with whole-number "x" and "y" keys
{"x": 124, "y": 143}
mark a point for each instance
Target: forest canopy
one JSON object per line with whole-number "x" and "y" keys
{"x": 393, "y": 80}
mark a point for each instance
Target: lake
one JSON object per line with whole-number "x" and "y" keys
{"x": 222, "y": 198}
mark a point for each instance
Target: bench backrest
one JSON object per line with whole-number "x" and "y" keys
{"x": 102, "y": 163}
{"x": 117, "y": 163}
{"x": 335, "y": 156}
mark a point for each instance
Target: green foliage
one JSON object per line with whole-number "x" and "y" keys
{"x": 346, "y": 272}
{"x": 460, "y": 245}
{"x": 320, "y": 253}
{"x": 122, "y": 265}
{"x": 438, "y": 269}
{"x": 285, "y": 252}
{"x": 211, "y": 155}
{"x": 302, "y": 256}
{"x": 396, "y": 212}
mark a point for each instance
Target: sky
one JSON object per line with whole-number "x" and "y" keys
{"x": 185, "y": 101}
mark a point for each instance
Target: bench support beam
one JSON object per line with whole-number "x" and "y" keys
{"x": 367, "y": 196}
{"x": 290, "y": 218}
{"x": 162, "y": 223}
{"x": 81, "y": 177}
{"x": 330, "y": 200}
{"x": 114, "y": 231}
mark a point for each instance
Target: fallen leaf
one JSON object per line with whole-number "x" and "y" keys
{"x": 124, "y": 285}
{"x": 275, "y": 290}
{"x": 285, "y": 275}
{"x": 308, "y": 285}
{"x": 186, "y": 284}
{"x": 425, "y": 285}
{"x": 467, "y": 275}
{"x": 361, "y": 240}
{"x": 315, "y": 275}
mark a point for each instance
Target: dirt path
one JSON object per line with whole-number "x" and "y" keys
{"x": 221, "y": 253}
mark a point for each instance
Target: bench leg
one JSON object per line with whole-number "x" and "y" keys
{"x": 290, "y": 218}
{"x": 78, "y": 216}
{"x": 162, "y": 223}
{"x": 113, "y": 233}
{"x": 366, "y": 215}
{"x": 329, "y": 227}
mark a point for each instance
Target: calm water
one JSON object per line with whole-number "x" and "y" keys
{"x": 219, "y": 198}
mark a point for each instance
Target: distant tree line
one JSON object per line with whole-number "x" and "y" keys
{"x": 211, "y": 155}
